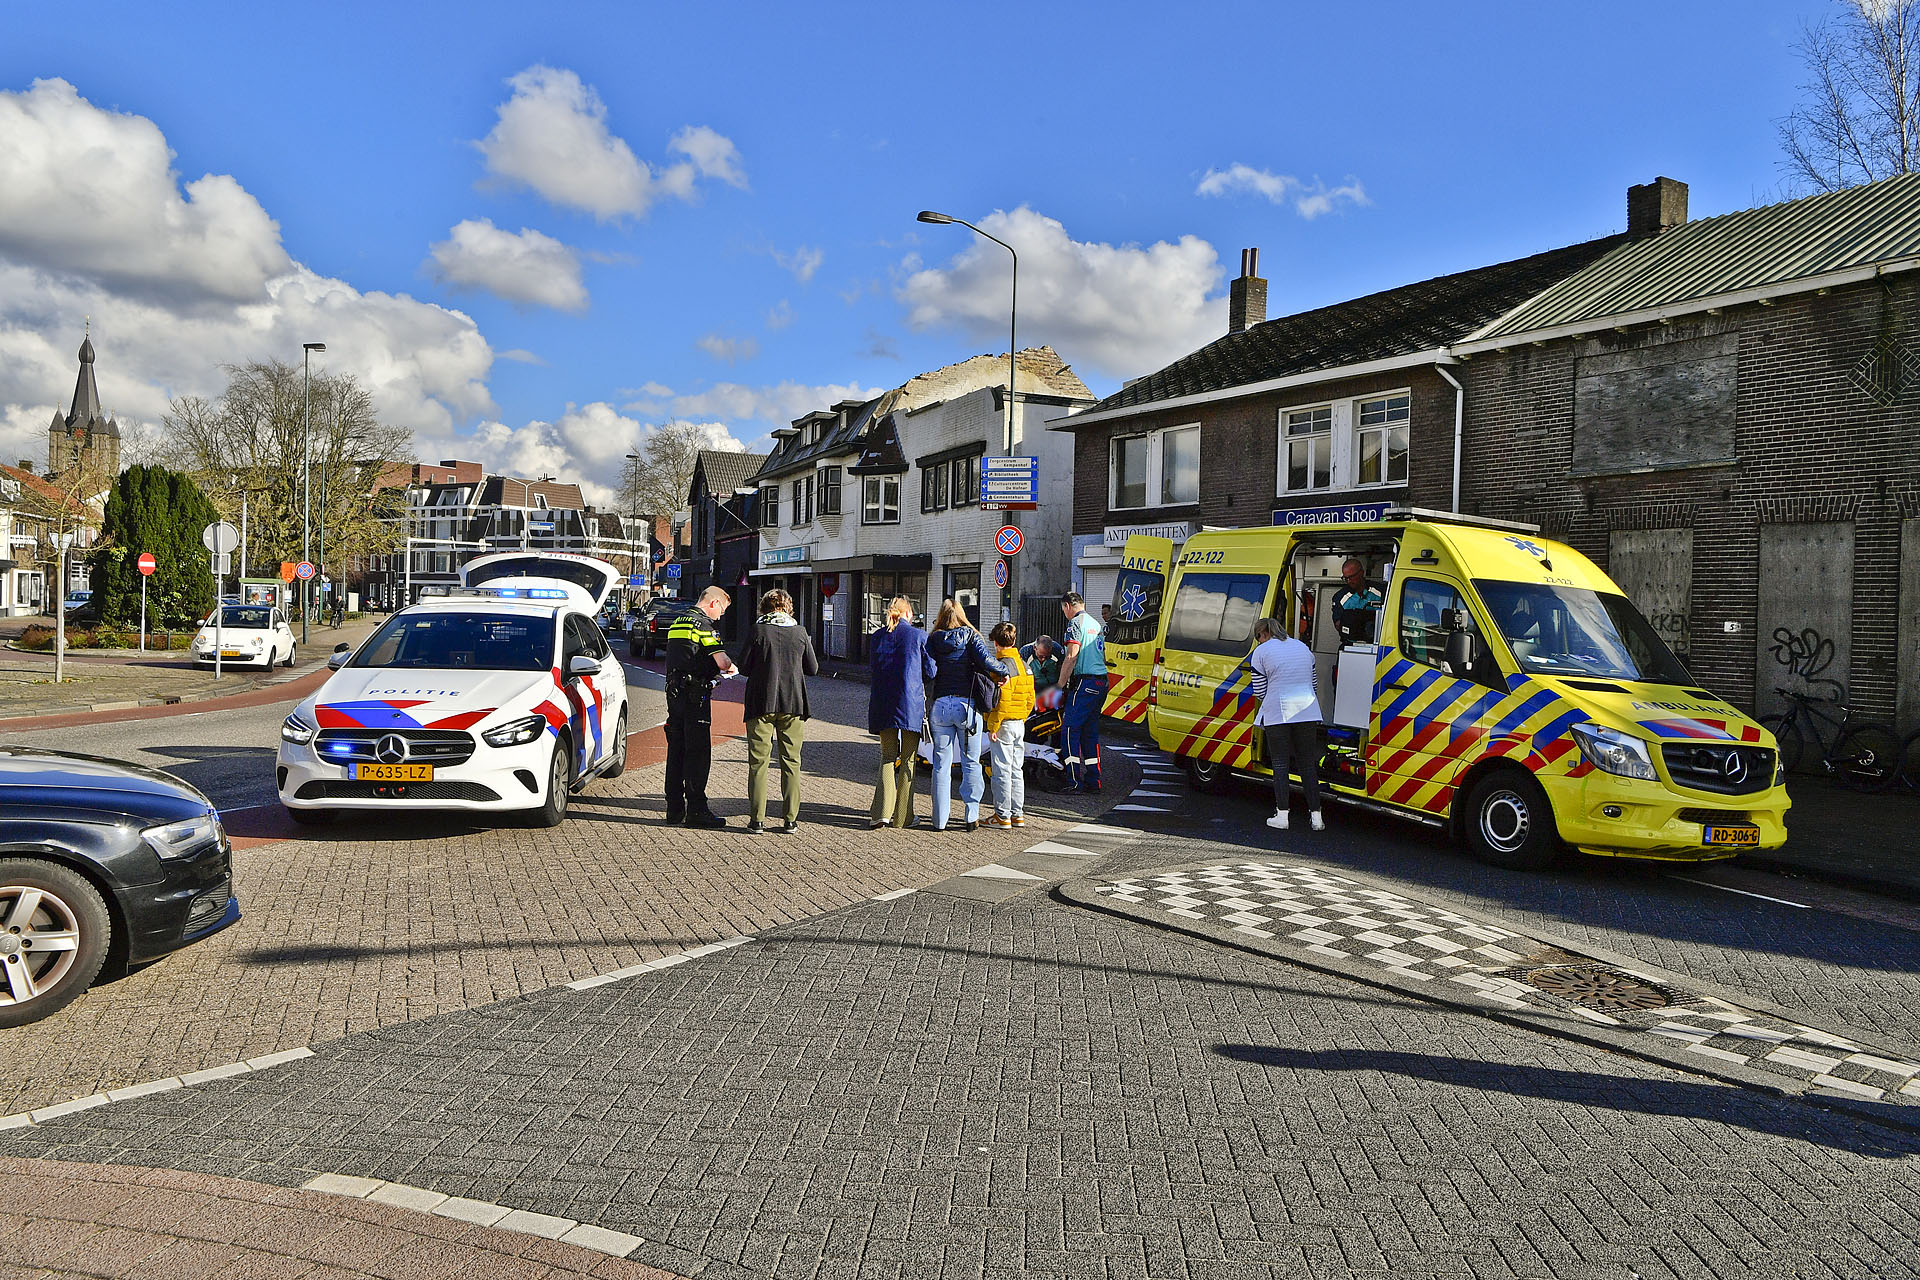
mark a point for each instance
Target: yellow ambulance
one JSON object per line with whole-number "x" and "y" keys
{"x": 1472, "y": 675}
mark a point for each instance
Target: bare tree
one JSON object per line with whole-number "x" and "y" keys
{"x": 255, "y": 437}
{"x": 656, "y": 483}
{"x": 1860, "y": 120}
{"x": 64, "y": 508}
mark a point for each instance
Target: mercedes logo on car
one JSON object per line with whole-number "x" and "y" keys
{"x": 391, "y": 749}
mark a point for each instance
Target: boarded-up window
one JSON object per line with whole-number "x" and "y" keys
{"x": 1667, "y": 405}
{"x": 1655, "y": 568}
{"x": 1806, "y": 613}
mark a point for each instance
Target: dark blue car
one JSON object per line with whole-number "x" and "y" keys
{"x": 102, "y": 865}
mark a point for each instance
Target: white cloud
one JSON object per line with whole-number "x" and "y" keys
{"x": 780, "y": 314}
{"x": 587, "y": 444}
{"x": 803, "y": 261}
{"x": 729, "y": 350}
{"x": 520, "y": 355}
{"x": 773, "y": 405}
{"x": 552, "y": 137}
{"x": 93, "y": 193}
{"x": 1123, "y": 310}
{"x": 524, "y": 267}
{"x": 1309, "y": 199}
{"x": 182, "y": 281}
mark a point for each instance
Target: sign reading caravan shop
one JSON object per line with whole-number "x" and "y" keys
{"x": 770, "y": 556}
{"x": 1358, "y": 513}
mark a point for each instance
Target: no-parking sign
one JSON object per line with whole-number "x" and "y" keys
{"x": 1008, "y": 540}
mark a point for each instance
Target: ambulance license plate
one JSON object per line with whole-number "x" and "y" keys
{"x": 390, "y": 772}
{"x": 1740, "y": 834}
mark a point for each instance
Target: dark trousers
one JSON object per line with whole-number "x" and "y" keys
{"x": 689, "y": 754}
{"x": 1299, "y": 742}
{"x": 1080, "y": 727}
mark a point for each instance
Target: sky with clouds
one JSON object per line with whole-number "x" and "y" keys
{"x": 536, "y": 233}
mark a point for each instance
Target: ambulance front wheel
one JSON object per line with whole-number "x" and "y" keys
{"x": 1208, "y": 777}
{"x": 1510, "y": 824}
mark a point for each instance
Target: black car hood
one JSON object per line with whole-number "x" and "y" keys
{"x": 37, "y": 776}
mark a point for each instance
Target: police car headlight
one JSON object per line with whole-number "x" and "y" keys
{"x": 515, "y": 733}
{"x": 1612, "y": 751}
{"x": 296, "y": 730}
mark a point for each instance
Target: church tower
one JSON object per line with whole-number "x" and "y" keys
{"x": 84, "y": 435}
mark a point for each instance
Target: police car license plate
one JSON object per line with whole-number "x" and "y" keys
{"x": 390, "y": 772}
{"x": 1741, "y": 834}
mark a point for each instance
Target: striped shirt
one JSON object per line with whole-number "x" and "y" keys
{"x": 1283, "y": 681}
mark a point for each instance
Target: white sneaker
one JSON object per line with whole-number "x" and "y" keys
{"x": 1278, "y": 821}
{"x": 1318, "y": 823}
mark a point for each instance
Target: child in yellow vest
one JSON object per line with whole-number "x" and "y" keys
{"x": 1007, "y": 732}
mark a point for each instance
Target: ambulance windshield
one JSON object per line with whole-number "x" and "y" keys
{"x": 1570, "y": 631}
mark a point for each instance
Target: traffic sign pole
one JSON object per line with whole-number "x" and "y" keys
{"x": 143, "y": 613}
{"x": 218, "y": 610}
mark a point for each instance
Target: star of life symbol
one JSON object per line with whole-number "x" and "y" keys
{"x": 1530, "y": 547}
{"x": 1133, "y": 604}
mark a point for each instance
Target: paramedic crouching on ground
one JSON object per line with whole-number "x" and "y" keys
{"x": 1289, "y": 717}
{"x": 1083, "y": 688}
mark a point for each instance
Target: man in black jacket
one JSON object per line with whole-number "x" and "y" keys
{"x": 777, "y": 663}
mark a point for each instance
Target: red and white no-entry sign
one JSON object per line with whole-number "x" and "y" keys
{"x": 147, "y": 563}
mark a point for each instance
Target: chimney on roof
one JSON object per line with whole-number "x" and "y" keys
{"x": 1247, "y": 296}
{"x": 1655, "y": 206}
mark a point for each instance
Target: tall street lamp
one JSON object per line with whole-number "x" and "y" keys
{"x": 306, "y": 475}
{"x": 1013, "y": 347}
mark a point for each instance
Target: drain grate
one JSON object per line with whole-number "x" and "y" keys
{"x": 1593, "y": 987}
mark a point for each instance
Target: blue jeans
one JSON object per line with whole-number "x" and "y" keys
{"x": 1080, "y": 718}
{"x": 956, "y": 727}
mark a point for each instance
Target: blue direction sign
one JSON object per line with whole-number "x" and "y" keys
{"x": 1010, "y": 479}
{"x": 672, "y": 570}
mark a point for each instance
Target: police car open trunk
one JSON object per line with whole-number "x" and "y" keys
{"x": 507, "y": 569}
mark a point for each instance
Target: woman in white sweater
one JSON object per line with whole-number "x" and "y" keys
{"x": 1289, "y": 717}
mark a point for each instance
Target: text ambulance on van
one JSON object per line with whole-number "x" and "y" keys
{"x": 1484, "y": 678}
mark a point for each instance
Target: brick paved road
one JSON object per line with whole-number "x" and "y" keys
{"x": 934, "y": 1086}
{"x": 1865, "y": 972}
{"x": 383, "y": 920}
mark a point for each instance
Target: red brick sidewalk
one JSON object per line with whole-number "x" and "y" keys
{"x": 59, "y": 1219}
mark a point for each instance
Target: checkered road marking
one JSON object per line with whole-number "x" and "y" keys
{"x": 1337, "y": 918}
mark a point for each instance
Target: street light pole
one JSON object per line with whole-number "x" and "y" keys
{"x": 1013, "y": 348}
{"x": 306, "y": 475}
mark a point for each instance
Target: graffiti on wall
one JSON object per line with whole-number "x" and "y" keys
{"x": 1804, "y": 657}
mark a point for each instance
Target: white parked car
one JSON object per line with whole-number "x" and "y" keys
{"x": 249, "y": 633}
{"x": 500, "y": 696}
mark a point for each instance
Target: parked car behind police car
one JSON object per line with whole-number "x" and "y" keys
{"x": 500, "y": 696}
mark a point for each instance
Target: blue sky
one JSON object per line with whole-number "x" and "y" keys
{"x": 755, "y": 253}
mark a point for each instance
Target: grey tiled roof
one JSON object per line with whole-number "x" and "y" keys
{"x": 728, "y": 469}
{"x": 1775, "y": 244}
{"x": 1396, "y": 322}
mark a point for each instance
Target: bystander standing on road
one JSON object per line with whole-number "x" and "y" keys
{"x": 1288, "y": 718}
{"x": 1007, "y": 730}
{"x": 776, "y": 663}
{"x": 1083, "y": 689}
{"x": 695, "y": 660}
{"x": 958, "y": 654}
{"x": 897, "y": 710}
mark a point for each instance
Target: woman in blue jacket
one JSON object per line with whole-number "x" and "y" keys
{"x": 897, "y": 710}
{"x": 958, "y": 652}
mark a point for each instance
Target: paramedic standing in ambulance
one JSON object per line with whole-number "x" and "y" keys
{"x": 1083, "y": 689}
{"x": 1356, "y": 606}
{"x": 1289, "y": 716}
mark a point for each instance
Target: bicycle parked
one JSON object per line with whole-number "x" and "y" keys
{"x": 1909, "y": 771}
{"x": 1860, "y": 757}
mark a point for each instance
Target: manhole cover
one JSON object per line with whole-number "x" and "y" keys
{"x": 1595, "y": 988}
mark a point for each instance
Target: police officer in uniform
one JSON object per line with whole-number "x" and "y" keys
{"x": 694, "y": 661}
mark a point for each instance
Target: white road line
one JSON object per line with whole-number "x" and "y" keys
{"x": 59, "y": 1109}
{"x": 480, "y": 1212}
{"x": 664, "y": 962}
{"x": 1804, "y": 906}
{"x": 889, "y": 897}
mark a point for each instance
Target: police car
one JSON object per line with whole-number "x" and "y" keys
{"x": 499, "y": 696}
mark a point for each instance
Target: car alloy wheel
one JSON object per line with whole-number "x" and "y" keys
{"x": 53, "y": 938}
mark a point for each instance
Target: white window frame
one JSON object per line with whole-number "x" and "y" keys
{"x": 1385, "y": 481}
{"x": 879, "y": 484}
{"x": 1155, "y": 458}
{"x": 1331, "y": 436}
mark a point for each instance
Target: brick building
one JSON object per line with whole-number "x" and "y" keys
{"x": 1725, "y": 413}
{"x": 723, "y": 529}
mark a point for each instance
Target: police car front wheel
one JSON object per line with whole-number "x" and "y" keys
{"x": 559, "y": 779}
{"x": 1510, "y": 823}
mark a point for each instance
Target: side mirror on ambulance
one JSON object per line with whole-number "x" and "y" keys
{"x": 1464, "y": 651}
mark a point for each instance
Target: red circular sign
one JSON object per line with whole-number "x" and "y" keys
{"x": 1008, "y": 540}
{"x": 147, "y": 563}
